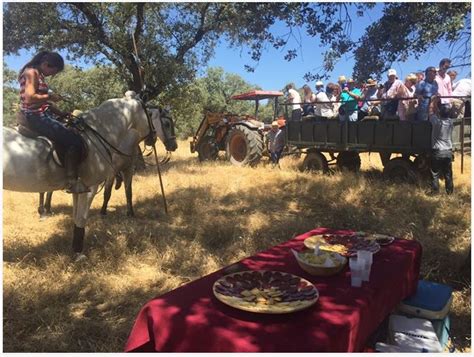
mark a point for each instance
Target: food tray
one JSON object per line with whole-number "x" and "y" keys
{"x": 320, "y": 270}
{"x": 344, "y": 244}
{"x": 264, "y": 291}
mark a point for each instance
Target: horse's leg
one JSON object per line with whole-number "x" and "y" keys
{"x": 107, "y": 193}
{"x": 41, "y": 204}
{"x": 128, "y": 175}
{"x": 47, "y": 204}
{"x": 81, "y": 206}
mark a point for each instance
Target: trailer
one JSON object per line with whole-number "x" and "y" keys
{"x": 344, "y": 141}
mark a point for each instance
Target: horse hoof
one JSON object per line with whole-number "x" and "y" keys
{"x": 103, "y": 213}
{"x": 79, "y": 257}
{"x": 130, "y": 214}
{"x": 44, "y": 216}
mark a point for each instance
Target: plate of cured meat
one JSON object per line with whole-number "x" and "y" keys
{"x": 264, "y": 291}
{"x": 344, "y": 244}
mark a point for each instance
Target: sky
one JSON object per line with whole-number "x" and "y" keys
{"x": 273, "y": 72}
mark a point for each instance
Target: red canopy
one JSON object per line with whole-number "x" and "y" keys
{"x": 257, "y": 95}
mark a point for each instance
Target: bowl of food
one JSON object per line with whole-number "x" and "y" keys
{"x": 320, "y": 263}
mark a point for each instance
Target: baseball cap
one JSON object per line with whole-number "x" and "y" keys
{"x": 319, "y": 83}
{"x": 392, "y": 72}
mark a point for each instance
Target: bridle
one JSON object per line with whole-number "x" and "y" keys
{"x": 164, "y": 114}
{"x": 150, "y": 138}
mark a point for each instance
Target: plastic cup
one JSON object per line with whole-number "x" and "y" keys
{"x": 356, "y": 272}
{"x": 365, "y": 259}
{"x": 365, "y": 255}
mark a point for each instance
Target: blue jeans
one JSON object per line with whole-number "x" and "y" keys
{"x": 349, "y": 116}
{"x": 45, "y": 124}
{"x": 275, "y": 156}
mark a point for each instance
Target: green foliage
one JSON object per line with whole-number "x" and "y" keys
{"x": 175, "y": 39}
{"x": 407, "y": 29}
{"x": 211, "y": 93}
{"x": 11, "y": 96}
{"x": 87, "y": 89}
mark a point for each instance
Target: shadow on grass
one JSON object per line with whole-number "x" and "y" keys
{"x": 249, "y": 220}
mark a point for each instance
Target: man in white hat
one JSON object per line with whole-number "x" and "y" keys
{"x": 391, "y": 88}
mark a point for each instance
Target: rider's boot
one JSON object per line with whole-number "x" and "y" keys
{"x": 71, "y": 165}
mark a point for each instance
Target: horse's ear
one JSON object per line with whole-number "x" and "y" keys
{"x": 130, "y": 94}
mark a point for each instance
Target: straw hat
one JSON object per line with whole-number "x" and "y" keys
{"x": 275, "y": 124}
{"x": 411, "y": 77}
{"x": 341, "y": 79}
{"x": 350, "y": 80}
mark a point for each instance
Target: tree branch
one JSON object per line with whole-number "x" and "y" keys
{"x": 94, "y": 21}
{"x": 140, "y": 20}
{"x": 201, "y": 31}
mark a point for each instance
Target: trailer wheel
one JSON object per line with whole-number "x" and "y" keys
{"x": 314, "y": 161}
{"x": 208, "y": 150}
{"x": 244, "y": 146}
{"x": 348, "y": 160}
{"x": 401, "y": 170}
{"x": 422, "y": 165}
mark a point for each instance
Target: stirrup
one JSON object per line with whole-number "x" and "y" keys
{"x": 78, "y": 187}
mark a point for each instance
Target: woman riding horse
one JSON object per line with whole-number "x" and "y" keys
{"x": 42, "y": 117}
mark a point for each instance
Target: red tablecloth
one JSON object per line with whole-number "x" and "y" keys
{"x": 191, "y": 319}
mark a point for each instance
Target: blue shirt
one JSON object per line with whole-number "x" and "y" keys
{"x": 350, "y": 103}
{"x": 427, "y": 90}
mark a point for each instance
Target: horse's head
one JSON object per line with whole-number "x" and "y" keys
{"x": 164, "y": 126}
{"x": 157, "y": 119}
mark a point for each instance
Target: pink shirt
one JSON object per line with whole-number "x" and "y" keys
{"x": 394, "y": 89}
{"x": 444, "y": 88}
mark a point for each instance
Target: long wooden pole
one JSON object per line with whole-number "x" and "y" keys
{"x": 161, "y": 181}
{"x": 154, "y": 144}
{"x": 462, "y": 145}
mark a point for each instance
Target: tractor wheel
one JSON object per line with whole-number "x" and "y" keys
{"x": 401, "y": 170}
{"x": 208, "y": 150}
{"x": 244, "y": 146}
{"x": 315, "y": 161}
{"x": 348, "y": 160}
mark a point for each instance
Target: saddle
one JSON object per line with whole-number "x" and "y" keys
{"x": 55, "y": 152}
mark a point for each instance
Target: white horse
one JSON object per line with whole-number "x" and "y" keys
{"x": 165, "y": 131}
{"x": 116, "y": 125}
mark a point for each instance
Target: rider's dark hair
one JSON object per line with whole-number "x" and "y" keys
{"x": 53, "y": 59}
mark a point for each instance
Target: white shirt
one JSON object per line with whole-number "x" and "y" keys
{"x": 323, "y": 109}
{"x": 294, "y": 97}
{"x": 462, "y": 87}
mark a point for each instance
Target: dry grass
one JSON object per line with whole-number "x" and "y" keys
{"x": 218, "y": 214}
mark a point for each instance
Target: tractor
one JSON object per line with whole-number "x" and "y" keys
{"x": 242, "y": 137}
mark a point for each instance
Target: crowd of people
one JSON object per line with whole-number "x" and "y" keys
{"x": 433, "y": 95}
{"x": 406, "y": 99}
